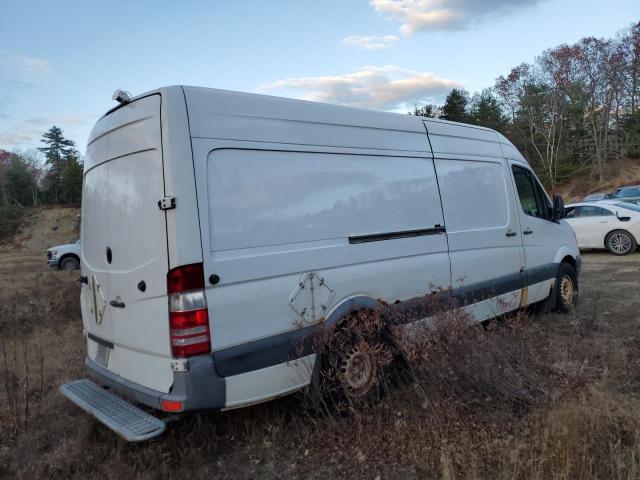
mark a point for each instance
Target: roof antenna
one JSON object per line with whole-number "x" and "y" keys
{"x": 121, "y": 96}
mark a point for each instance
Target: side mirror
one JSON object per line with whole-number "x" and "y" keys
{"x": 558, "y": 211}
{"x": 622, "y": 219}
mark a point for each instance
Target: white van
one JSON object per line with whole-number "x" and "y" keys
{"x": 222, "y": 231}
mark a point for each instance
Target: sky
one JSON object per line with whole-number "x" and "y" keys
{"x": 61, "y": 61}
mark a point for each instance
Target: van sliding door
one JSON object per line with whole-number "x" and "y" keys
{"x": 482, "y": 226}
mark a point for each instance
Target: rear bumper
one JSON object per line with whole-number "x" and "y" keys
{"x": 199, "y": 388}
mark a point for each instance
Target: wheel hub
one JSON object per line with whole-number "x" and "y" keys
{"x": 358, "y": 373}
{"x": 620, "y": 243}
{"x": 566, "y": 289}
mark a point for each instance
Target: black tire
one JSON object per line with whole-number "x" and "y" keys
{"x": 620, "y": 242}
{"x": 566, "y": 288}
{"x": 69, "y": 263}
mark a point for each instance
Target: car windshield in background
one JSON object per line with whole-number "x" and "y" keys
{"x": 594, "y": 196}
{"x": 628, "y": 206}
{"x": 627, "y": 192}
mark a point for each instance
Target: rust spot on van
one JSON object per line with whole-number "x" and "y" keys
{"x": 524, "y": 294}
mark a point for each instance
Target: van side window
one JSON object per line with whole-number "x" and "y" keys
{"x": 533, "y": 201}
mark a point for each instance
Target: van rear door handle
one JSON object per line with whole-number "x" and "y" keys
{"x": 116, "y": 304}
{"x": 527, "y": 232}
{"x": 511, "y": 233}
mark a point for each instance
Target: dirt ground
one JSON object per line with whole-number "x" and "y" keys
{"x": 583, "y": 419}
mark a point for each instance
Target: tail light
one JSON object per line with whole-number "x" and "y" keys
{"x": 188, "y": 314}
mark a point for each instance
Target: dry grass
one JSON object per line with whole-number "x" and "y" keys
{"x": 545, "y": 397}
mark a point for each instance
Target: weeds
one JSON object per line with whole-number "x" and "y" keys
{"x": 457, "y": 362}
{"x": 519, "y": 398}
{"x": 51, "y": 301}
{"x": 23, "y": 383}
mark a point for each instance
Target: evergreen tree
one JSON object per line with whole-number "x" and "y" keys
{"x": 71, "y": 179}
{"x": 430, "y": 111}
{"x": 455, "y": 106}
{"x": 486, "y": 111}
{"x": 57, "y": 151}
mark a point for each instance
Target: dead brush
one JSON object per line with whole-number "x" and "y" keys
{"x": 22, "y": 380}
{"x": 448, "y": 357}
{"x": 353, "y": 368}
{"x": 454, "y": 360}
{"x": 459, "y": 362}
{"x": 52, "y": 301}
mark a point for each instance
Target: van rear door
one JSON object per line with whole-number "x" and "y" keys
{"x": 124, "y": 246}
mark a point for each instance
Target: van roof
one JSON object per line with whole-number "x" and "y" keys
{"x": 457, "y": 139}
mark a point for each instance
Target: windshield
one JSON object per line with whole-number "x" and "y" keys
{"x": 629, "y": 206}
{"x": 627, "y": 192}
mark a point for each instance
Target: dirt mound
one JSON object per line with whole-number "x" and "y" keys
{"x": 45, "y": 227}
{"x": 23, "y": 260}
{"x": 619, "y": 173}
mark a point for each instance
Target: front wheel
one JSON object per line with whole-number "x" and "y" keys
{"x": 566, "y": 288}
{"x": 69, "y": 263}
{"x": 620, "y": 242}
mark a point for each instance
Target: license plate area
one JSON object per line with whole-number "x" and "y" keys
{"x": 102, "y": 355}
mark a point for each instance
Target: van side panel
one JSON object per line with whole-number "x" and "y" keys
{"x": 275, "y": 215}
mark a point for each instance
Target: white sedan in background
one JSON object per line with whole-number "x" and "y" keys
{"x": 606, "y": 224}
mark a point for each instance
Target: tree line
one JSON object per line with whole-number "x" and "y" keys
{"x": 26, "y": 181}
{"x": 570, "y": 112}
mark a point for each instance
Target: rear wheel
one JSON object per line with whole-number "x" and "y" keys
{"x": 620, "y": 242}
{"x": 354, "y": 364}
{"x": 566, "y": 288}
{"x": 69, "y": 263}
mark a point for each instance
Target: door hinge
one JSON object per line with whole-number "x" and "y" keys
{"x": 167, "y": 203}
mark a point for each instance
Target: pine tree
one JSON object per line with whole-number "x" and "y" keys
{"x": 455, "y": 106}
{"x": 486, "y": 111}
{"x": 57, "y": 152}
{"x": 71, "y": 179}
{"x": 430, "y": 111}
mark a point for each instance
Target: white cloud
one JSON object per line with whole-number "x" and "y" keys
{"x": 20, "y": 136}
{"x": 36, "y": 64}
{"x": 418, "y": 15}
{"x": 383, "y": 88}
{"x": 370, "y": 42}
{"x": 27, "y": 133}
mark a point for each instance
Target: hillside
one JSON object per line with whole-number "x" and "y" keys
{"x": 619, "y": 173}
{"x": 44, "y": 227}
{"x": 23, "y": 258}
